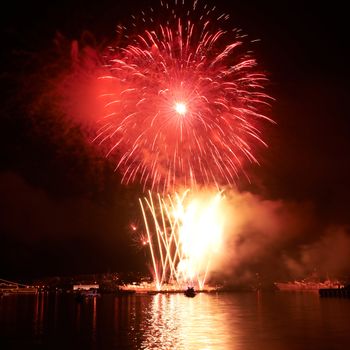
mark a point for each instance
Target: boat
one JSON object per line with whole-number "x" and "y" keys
{"x": 80, "y": 295}
{"x": 308, "y": 285}
{"x": 153, "y": 292}
{"x": 190, "y": 292}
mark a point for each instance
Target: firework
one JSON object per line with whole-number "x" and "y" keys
{"x": 183, "y": 101}
{"x": 184, "y": 234}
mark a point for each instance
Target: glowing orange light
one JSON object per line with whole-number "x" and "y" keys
{"x": 184, "y": 233}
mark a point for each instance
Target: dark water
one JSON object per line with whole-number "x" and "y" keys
{"x": 209, "y": 321}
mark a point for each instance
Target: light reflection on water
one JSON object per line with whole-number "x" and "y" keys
{"x": 212, "y": 321}
{"x": 177, "y": 322}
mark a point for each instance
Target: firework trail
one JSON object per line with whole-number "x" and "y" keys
{"x": 183, "y": 100}
{"x": 184, "y": 232}
{"x": 184, "y": 103}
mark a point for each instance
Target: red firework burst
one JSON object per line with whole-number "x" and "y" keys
{"x": 183, "y": 102}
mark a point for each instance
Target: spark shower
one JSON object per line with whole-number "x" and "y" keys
{"x": 184, "y": 102}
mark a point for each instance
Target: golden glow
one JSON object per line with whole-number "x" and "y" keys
{"x": 184, "y": 232}
{"x": 200, "y": 235}
{"x": 172, "y": 322}
{"x": 180, "y": 108}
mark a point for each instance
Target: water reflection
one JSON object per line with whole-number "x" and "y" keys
{"x": 94, "y": 306}
{"x": 39, "y": 315}
{"x": 208, "y": 322}
{"x": 77, "y": 316}
{"x": 177, "y": 322}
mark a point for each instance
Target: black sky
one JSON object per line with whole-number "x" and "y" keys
{"x": 63, "y": 209}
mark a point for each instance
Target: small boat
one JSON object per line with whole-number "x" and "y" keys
{"x": 189, "y": 292}
{"x": 79, "y": 297}
{"x": 86, "y": 294}
{"x": 153, "y": 292}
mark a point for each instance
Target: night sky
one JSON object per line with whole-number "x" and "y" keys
{"x": 62, "y": 207}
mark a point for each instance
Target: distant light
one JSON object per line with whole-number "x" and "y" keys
{"x": 180, "y": 108}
